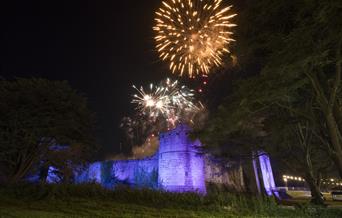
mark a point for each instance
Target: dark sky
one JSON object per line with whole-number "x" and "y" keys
{"x": 100, "y": 47}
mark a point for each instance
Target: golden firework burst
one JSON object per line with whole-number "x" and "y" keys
{"x": 193, "y": 35}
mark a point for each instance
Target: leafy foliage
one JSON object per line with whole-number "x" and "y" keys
{"x": 290, "y": 103}
{"x": 42, "y": 123}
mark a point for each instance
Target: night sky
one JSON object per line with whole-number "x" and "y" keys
{"x": 100, "y": 47}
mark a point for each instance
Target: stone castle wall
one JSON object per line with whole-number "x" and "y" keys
{"x": 129, "y": 172}
{"x": 181, "y": 166}
{"x": 229, "y": 175}
{"x": 178, "y": 166}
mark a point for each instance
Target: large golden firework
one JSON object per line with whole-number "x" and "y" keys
{"x": 193, "y": 35}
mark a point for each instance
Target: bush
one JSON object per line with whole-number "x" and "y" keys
{"x": 225, "y": 202}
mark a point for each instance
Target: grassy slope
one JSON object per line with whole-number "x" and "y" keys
{"x": 100, "y": 208}
{"x": 93, "y": 201}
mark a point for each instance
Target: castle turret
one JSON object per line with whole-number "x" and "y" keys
{"x": 181, "y": 165}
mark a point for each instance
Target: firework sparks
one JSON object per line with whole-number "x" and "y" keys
{"x": 168, "y": 100}
{"x": 153, "y": 103}
{"x": 193, "y": 35}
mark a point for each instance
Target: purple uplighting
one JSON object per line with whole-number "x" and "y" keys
{"x": 267, "y": 174}
{"x": 176, "y": 167}
{"x": 181, "y": 167}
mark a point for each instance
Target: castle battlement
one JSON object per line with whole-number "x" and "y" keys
{"x": 177, "y": 166}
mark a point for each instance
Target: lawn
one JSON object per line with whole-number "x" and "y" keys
{"x": 94, "y": 201}
{"x": 95, "y": 208}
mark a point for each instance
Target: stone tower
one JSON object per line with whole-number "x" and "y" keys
{"x": 181, "y": 165}
{"x": 178, "y": 166}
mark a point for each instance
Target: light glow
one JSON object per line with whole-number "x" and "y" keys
{"x": 193, "y": 35}
{"x": 169, "y": 100}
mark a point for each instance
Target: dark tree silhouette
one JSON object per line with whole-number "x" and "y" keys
{"x": 42, "y": 123}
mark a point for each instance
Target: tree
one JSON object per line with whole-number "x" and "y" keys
{"x": 294, "y": 143}
{"x": 291, "y": 51}
{"x": 295, "y": 45}
{"x": 286, "y": 128}
{"x": 311, "y": 53}
{"x": 38, "y": 116}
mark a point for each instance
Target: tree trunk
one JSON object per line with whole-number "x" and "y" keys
{"x": 318, "y": 179}
{"x": 316, "y": 197}
{"x": 338, "y": 113}
{"x": 43, "y": 173}
{"x": 335, "y": 141}
{"x": 338, "y": 163}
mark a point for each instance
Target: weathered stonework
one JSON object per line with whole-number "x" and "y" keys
{"x": 178, "y": 166}
{"x": 224, "y": 174}
{"x": 181, "y": 165}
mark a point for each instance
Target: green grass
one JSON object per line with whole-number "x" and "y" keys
{"x": 93, "y": 201}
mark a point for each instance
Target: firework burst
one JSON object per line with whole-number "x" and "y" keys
{"x": 193, "y": 35}
{"x": 153, "y": 102}
{"x": 167, "y": 100}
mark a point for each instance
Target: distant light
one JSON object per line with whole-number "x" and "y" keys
{"x": 296, "y": 178}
